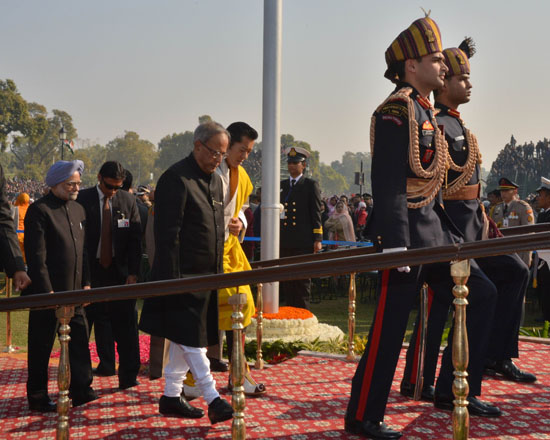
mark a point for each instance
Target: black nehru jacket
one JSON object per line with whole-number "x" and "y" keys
{"x": 397, "y": 225}
{"x": 467, "y": 215}
{"x": 10, "y": 253}
{"x": 54, "y": 245}
{"x": 189, "y": 239}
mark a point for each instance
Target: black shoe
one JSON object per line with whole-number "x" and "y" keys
{"x": 102, "y": 373}
{"x": 219, "y": 410}
{"x": 178, "y": 406}
{"x": 510, "y": 371}
{"x": 42, "y": 404}
{"x": 126, "y": 385}
{"x": 81, "y": 399}
{"x": 476, "y": 407}
{"x": 407, "y": 390}
{"x": 218, "y": 365}
{"x": 375, "y": 430}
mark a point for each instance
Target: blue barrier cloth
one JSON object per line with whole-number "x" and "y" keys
{"x": 328, "y": 242}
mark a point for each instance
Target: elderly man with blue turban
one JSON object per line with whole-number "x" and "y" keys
{"x": 57, "y": 261}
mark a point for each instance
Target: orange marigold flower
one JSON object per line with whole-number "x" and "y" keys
{"x": 288, "y": 313}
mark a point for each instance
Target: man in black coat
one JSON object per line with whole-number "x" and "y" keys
{"x": 189, "y": 240}
{"x": 114, "y": 248}
{"x": 57, "y": 260}
{"x": 301, "y": 227}
{"x": 461, "y": 198}
{"x": 543, "y": 272}
{"x": 11, "y": 259}
{"x": 408, "y": 168}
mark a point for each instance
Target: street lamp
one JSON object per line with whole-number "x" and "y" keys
{"x": 62, "y": 137}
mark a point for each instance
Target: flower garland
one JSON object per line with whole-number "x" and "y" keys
{"x": 288, "y": 313}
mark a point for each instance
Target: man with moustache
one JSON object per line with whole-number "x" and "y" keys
{"x": 189, "y": 241}
{"x": 57, "y": 261}
{"x": 408, "y": 169}
{"x": 461, "y": 194}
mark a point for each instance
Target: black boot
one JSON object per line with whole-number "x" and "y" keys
{"x": 178, "y": 406}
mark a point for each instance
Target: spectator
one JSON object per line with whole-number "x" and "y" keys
{"x": 22, "y": 204}
{"x": 340, "y": 225}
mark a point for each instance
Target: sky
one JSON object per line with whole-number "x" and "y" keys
{"x": 154, "y": 67}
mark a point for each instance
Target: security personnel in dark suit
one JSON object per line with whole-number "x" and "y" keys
{"x": 301, "y": 227}
{"x": 115, "y": 252}
{"x": 543, "y": 272}
{"x": 461, "y": 198}
{"x": 407, "y": 173}
{"x": 57, "y": 260}
{"x": 11, "y": 259}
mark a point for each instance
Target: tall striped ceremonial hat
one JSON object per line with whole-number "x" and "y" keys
{"x": 421, "y": 38}
{"x": 457, "y": 59}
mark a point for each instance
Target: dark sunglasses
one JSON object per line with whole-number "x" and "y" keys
{"x": 112, "y": 187}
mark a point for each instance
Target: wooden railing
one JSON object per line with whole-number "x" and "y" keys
{"x": 349, "y": 261}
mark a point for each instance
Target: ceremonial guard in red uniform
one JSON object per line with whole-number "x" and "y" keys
{"x": 408, "y": 169}
{"x": 461, "y": 198}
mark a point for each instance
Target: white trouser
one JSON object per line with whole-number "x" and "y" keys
{"x": 181, "y": 359}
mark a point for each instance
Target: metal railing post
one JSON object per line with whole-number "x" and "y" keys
{"x": 460, "y": 271}
{"x": 259, "y": 328}
{"x": 64, "y": 315}
{"x": 352, "y": 295}
{"x": 238, "y": 427}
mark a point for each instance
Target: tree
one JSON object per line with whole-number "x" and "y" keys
{"x": 135, "y": 154}
{"x": 40, "y": 146}
{"x": 204, "y": 118}
{"x": 332, "y": 182}
{"x": 350, "y": 164}
{"x": 173, "y": 148}
{"x": 14, "y": 114}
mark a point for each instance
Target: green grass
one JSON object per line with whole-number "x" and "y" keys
{"x": 331, "y": 309}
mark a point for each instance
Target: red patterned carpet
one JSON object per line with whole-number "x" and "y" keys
{"x": 306, "y": 399}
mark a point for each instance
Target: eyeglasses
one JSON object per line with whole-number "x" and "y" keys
{"x": 215, "y": 154}
{"x": 109, "y": 186}
{"x": 73, "y": 184}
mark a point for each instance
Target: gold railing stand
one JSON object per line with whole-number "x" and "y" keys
{"x": 460, "y": 271}
{"x": 352, "y": 294}
{"x": 259, "y": 328}
{"x": 9, "y": 347}
{"x": 238, "y": 427}
{"x": 64, "y": 315}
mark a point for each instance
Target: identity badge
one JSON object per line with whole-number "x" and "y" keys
{"x": 123, "y": 223}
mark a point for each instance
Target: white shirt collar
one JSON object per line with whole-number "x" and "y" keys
{"x": 295, "y": 178}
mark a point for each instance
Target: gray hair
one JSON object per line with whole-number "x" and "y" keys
{"x": 205, "y": 131}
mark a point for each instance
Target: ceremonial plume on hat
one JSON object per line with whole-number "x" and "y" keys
{"x": 457, "y": 59}
{"x": 421, "y": 38}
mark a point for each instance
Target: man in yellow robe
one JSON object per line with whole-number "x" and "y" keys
{"x": 237, "y": 187}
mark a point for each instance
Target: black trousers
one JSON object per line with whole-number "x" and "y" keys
{"x": 397, "y": 294}
{"x": 41, "y": 336}
{"x": 122, "y": 316}
{"x": 510, "y": 275}
{"x": 543, "y": 280}
{"x": 296, "y": 293}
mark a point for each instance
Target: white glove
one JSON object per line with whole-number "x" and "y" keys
{"x": 405, "y": 269}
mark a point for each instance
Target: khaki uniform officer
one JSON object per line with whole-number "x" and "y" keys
{"x": 513, "y": 212}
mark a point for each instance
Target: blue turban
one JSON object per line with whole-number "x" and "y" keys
{"x": 62, "y": 170}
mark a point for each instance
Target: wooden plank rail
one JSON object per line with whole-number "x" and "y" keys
{"x": 311, "y": 269}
